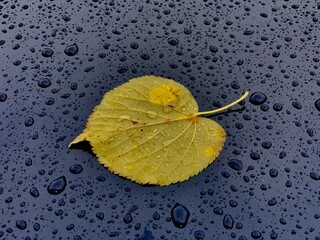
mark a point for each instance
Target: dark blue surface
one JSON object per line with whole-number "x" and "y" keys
{"x": 58, "y": 58}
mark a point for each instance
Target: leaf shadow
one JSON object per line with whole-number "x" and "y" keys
{"x": 238, "y": 110}
{"x": 85, "y": 146}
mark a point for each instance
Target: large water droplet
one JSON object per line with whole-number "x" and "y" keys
{"x": 57, "y": 186}
{"x": 180, "y": 215}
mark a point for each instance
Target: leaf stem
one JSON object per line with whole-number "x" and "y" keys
{"x": 225, "y": 107}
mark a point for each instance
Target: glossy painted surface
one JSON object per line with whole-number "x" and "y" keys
{"x": 58, "y": 58}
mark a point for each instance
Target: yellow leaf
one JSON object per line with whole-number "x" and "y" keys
{"x": 149, "y": 130}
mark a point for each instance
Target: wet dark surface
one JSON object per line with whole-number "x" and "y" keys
{"x": 58, "y": 58}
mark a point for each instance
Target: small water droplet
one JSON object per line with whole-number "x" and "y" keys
{"x": 258, "y": 98}
{"x": 47, "y": 52}
{"x": 277, "y": 107}
{"x": 28, "y": 121}
{"x": 272, "y": 202}
{"x": 199, "y": 235}
{"x": 127, "y": 218}
{"x": 122, "y": 69}
{"x": 296, "y": 105}
{"x": 71, "y": 50}
{"x": 123, "y": 117}
{"x": 152, "y": 114}
{"x": 21, "y": 224}
{"x": 180, "y": 215}
{"x": 228, "y": 221}
{"x": 218, "y": 211}
{"x": 134, "y": 45}
{"x": 315, "y": 176}
{"x": 173, "y": 41}
{"x": 44, "y": 83}
{"x": 316, "y": 104}
{"x": 273, "y": 172}
{"x": 255, "y": 156}
{"x": 76, "y": 169}
{"x": 3, "y": 97}
{"x": 235, "y": 164}
{"x": 256, "y": 234}
{"x": 34, "y": 192}
{"x": 57, "y": 186}
{"x": 100, "y": 215}
{"x": 213, "y": 49}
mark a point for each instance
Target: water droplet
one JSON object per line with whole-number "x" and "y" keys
{"x": 218, "y": 211}
{"x": 134, "y": 45}
{"x": 147, "y": 235}
{"x": 213, "y": 49}
{"x": 144, "y": 56}
{"x": 255, "y": 156}
{"x": 296, "y": 105}
{"x": 256, "y": 234}
{"x": 28, "y": 162}
{"x": 57, "y": 186}
{"x": 316, "y": 104}
{"x": 152, "y": 114}
{"x": 273, "y": 236}
{"x": 3, "y": 97}
{"x": 315, "y": 176}
{"x": 100, "y": 215}
{"x": 71, "y": 50}
{"x": 36, "y": 226}
{"x": 44, "y": 83}
{"x": 34, "y": 192}
{"x": 49, "y": 101}
{"x": 122, "y": 69}
{"x": 76, "y": 169}
{"x": 123, "y": 117}
{"x": 81, "y": 214}
{"x": 180, "y": 215}
{"x": 21, "y": 224}
{"x": 28, "y": 122}
{"x": 266, "y": 145}
{"x": 199, "y": 234}
{"x": 235, "y": 164}
{"x": 248, "y": 32}
{"x": 228, "y": 221}
{"x": 173, "y": 41}
{"x": 276, "y": 54}
{"x": 127, "y": 218}
{"x": 258, "y": 98}
{"x": 47, "y": 52}
{"x": 273, "y": 172}
{"x": 272, "y": 202}
{"x": 277, "y": 107}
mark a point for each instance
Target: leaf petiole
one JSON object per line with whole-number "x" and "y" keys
{"x": 223, "y": 108}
